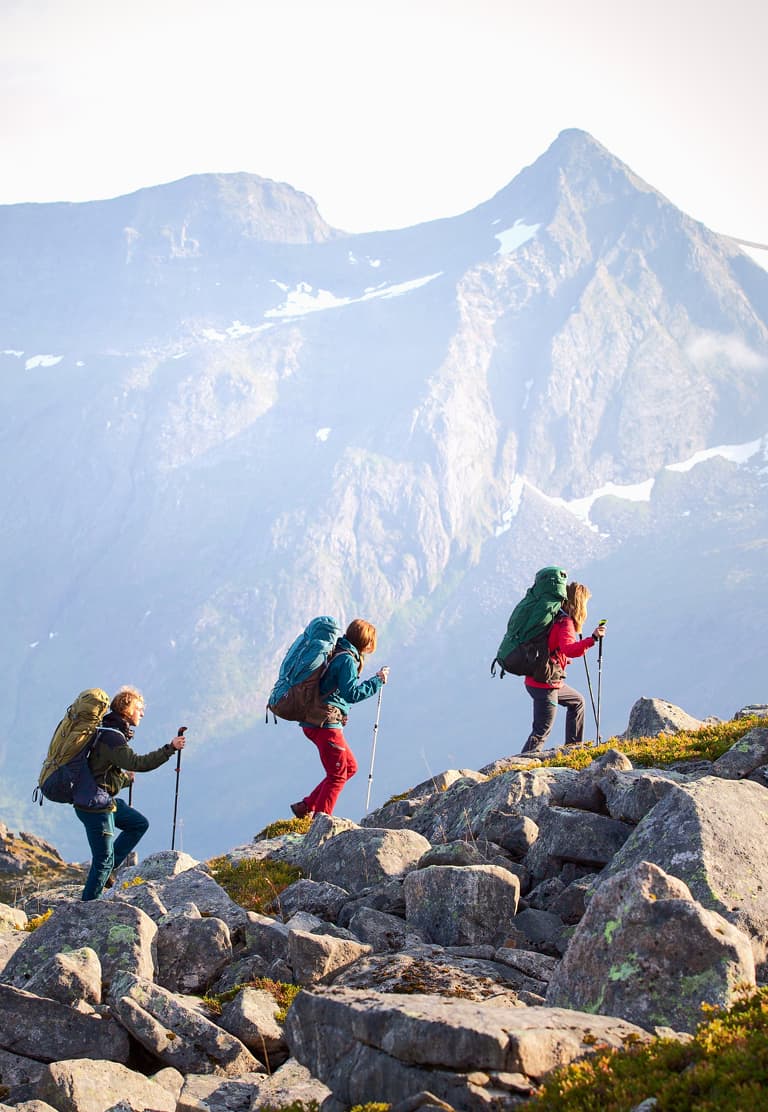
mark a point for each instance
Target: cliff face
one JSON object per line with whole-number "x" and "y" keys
{"x": 223, "y": 417}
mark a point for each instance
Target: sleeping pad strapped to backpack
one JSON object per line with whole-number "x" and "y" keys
{"x": 296, "y": 695}
{"x": 65, "y": 776}
{"x": 524, "y": 650}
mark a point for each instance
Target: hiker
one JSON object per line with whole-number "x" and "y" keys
{"x": 113, "y": 764}
{"x": 566, "y": 643}
{"x": 339, "y": 687}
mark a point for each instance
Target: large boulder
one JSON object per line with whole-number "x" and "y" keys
{"x": 197, "y": 886}
{"x": 70, "y": 977}
{"x": 646, "y": 951}
{"x": 17, "y": 1070}
{"x": 630, "y": 795}
{"x": 176, "y": 1034}
{"x": 122, "y": 936}
{"x": 483, "y": 810}
{"x": 191, "y": 951}
{"x": 744, "y": 756}
{"x": 455, "y": 906}
{"x": 252, "y": 1018}
{"x": 36, "y": 1027}
{"x": 651, "y": 717}
{"x": 12, "y": 918}
{"x": 82, "y": 1085}
{"x": 435, "y": 971}
{"x": 711, "y": 833}
{"x": 579, "y": 837}
{"x": 313, "y": 957}
{"x": 203, "y": 1092}
{"x": 367, "y": 1046}
{"x": 357, "y": 859}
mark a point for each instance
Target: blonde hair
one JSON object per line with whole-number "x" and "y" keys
{"x": 575, "y": 605}
{"x": 124, "y": 699}
{"x": 362, "y": 635}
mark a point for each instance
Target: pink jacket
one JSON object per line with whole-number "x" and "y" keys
{"x": 565, "y": 642}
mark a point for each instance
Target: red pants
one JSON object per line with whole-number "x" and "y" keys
{"x": 339, "y": 764}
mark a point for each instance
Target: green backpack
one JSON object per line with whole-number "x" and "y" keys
{"x": 65, "y": 776}
{"x": 524, "y": 649}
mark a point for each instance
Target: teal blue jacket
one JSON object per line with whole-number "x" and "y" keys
{"x": 341, "y": 685}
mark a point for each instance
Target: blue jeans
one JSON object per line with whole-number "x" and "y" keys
{"x": 545, "y": 704}
{"x": 107, "y": 852}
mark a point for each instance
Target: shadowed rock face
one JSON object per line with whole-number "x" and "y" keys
{"x": 645, "y": 950}
{"x": 458, "y": 1050}
{"x": 710, "y": 833}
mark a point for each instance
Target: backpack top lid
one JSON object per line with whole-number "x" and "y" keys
{"x": 308, "y": 652}
{"x": 536, "y": 610}
{"x": 76, "y": 728}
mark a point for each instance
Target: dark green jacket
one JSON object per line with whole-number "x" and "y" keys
{"x": 112, "y": 754}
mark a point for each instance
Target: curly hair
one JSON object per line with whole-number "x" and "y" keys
{"x": 125, "y": 697}
{"x": 575, "y": 605}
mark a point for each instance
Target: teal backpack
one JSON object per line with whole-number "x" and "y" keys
{"x": 296, "y": 694}
{"x": 524, "y": 649}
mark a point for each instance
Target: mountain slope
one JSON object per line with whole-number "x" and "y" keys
{"x": 249, "y": 418}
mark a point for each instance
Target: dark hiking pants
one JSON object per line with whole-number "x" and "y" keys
{"x": 545, "y": 703}
{"x": 107, "y": 851}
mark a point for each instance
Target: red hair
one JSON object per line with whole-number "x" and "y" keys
{"x": 362, "y": 635}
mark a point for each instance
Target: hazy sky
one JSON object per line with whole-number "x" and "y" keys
{"x": 387, "y": 113}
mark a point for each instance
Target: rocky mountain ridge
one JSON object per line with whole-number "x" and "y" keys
{"x": 275, "y": 420}
{"x": 468, "y": 938}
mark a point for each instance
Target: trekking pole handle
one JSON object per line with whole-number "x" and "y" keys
{"x": 179, "y": 733}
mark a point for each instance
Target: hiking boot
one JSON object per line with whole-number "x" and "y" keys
{"x": 300, "y": 809}
{"x": 110, "y": 881}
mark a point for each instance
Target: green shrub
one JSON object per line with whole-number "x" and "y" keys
{"x": 284, "y": 995}
{"x": 722, "y": 1069}
{"x": 254, "y": 885}
{"x": 285, "y": 826}
{"x": 706, "y": 744}
{"x": 38, "y": 920}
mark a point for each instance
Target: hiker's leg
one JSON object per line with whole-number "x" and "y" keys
{"x": 573, "y": 701}
{"x": 132, "y": 826}
{"x": 339, "y": 764}
{"x": 100, "y": 832}
{"x": 544, "y": 711}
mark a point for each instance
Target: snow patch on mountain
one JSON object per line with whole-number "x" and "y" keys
{"x": 512, "y": 238}
{"x": 581, "y": 508}
{"x": 235, "y": 331}
{"x": 305, "y": 299}
{"x": 42, "y": 361}
{"x": 734, "y": 453}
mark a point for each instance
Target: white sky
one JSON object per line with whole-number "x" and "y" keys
{"x": 387, "y": 113}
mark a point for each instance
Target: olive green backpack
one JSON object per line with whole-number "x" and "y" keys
{"x": 65, "y": 776}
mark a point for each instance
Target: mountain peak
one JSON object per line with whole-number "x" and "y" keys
{"x": 236, "y": 204}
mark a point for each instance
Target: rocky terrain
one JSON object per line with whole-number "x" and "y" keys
{"x": 451, "y": 950}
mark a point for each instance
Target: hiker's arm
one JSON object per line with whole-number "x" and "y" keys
{"x": 352, "y": 689}
{"x": 124, "y": 757}
{"x": 568, "y": 641}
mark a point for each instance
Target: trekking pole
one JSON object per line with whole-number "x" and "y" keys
{"x": 180, "y": 733}
{"x": 591, "y": 696}
{"x": 373, "y": 750}
{"x": 599, "y": 682}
